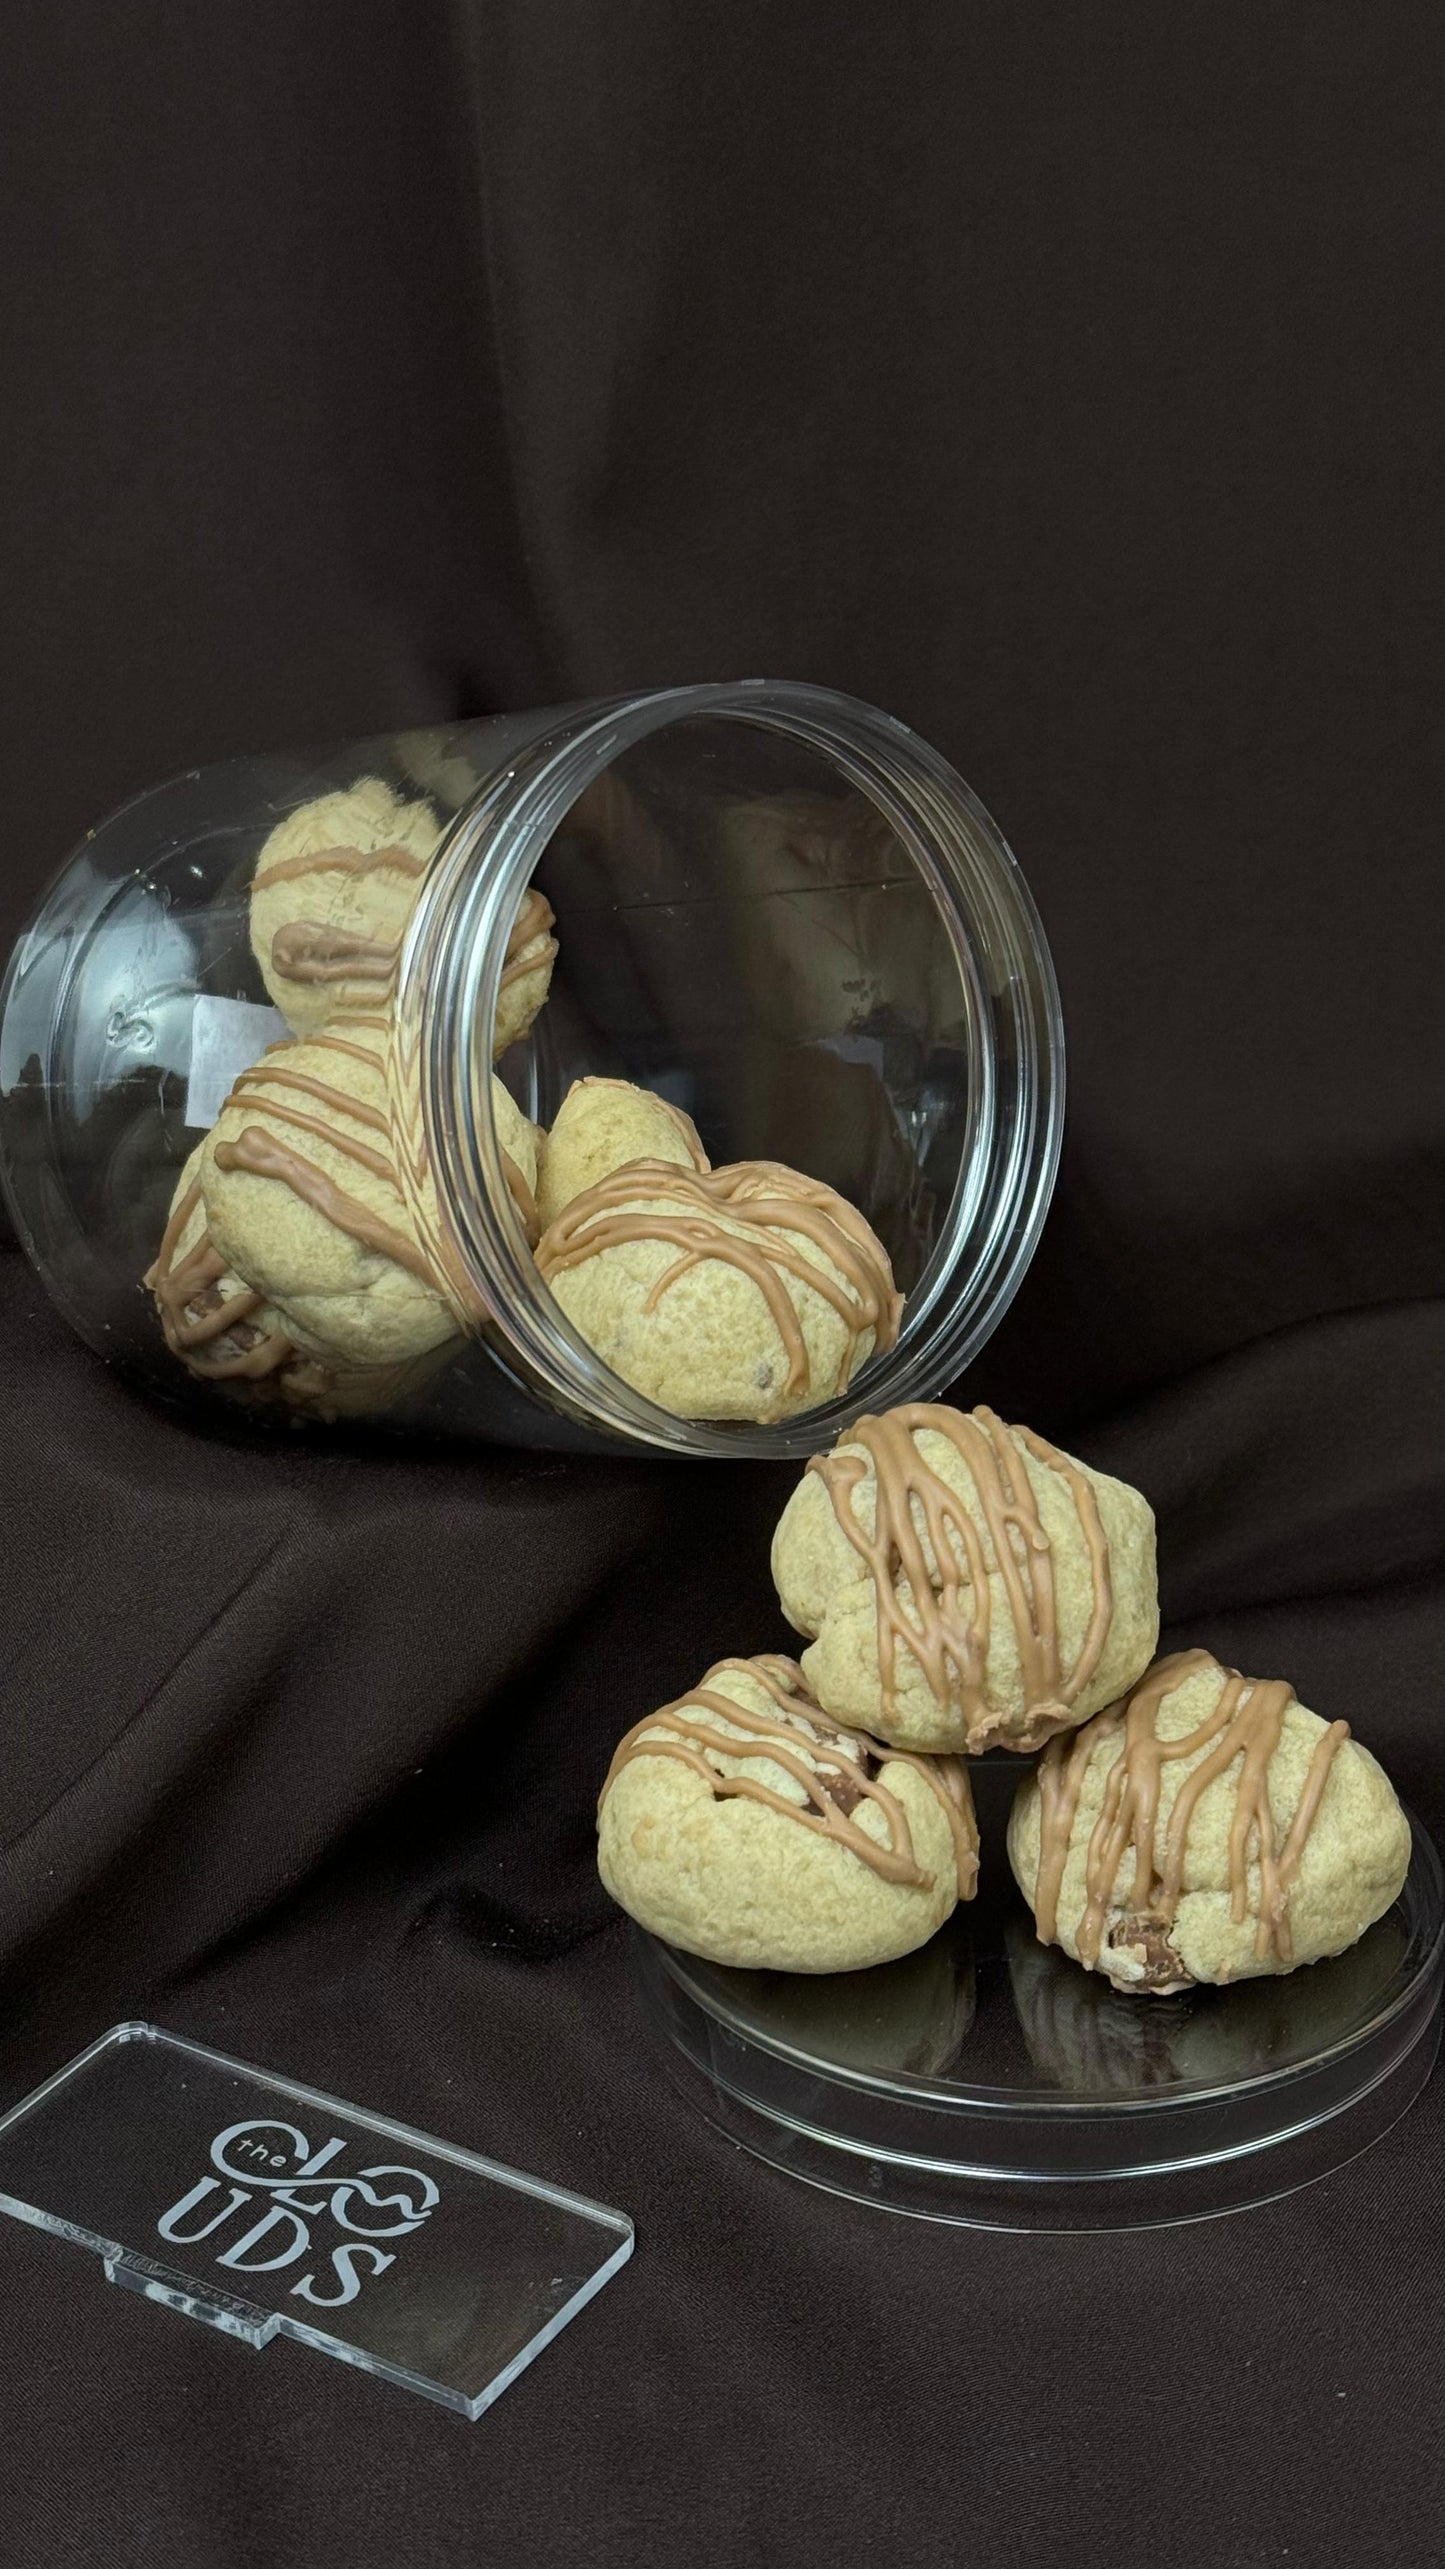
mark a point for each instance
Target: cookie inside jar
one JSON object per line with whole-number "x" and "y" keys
{"x": 749, "y": 953}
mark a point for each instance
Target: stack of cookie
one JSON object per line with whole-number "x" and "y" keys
{"x": 965, "y": 1586}
{"x": 297, "y": 1266}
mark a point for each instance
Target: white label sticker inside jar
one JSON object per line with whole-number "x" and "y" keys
{"x": 227, "y": 1035}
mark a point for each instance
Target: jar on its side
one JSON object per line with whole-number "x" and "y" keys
{"x": 772, "y": 906}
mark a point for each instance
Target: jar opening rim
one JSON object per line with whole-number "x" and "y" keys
{"x": 448, "y": 989}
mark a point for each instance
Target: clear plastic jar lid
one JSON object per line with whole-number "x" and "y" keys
{"x": 988, "y": 2080}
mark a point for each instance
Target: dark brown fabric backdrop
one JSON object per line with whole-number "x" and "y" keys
{"x": 1062, "y": 377}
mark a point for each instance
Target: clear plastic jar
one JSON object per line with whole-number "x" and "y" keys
{"x": 774, "y": 906}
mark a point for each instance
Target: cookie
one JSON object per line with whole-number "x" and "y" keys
{"x": 1208, "y": 1829}
{"x": 965, "y": 1584}
{"x": 527, "y": 971}
{"x": 334, "y": 887}
{"x": 747, "y": 1292}
{"x": 305, "y": 1199}
{"x": 226, "y": 1334}
{"x": 743, "y": 1825}
{"x": 600, "y": 1125}
{"x": 221, "y": 1330}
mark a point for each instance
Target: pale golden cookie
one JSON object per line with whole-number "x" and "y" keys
{"x": 304, "y": 1198}
{"x": 334, "y": 887}
{"x": 1004, "y": 1591}
{"x": 221, "y": 1329}
{"x": 600, "y": 1126}
{"x": 741, "y": 1824}
{"x": 746, "y": 1293}
{"x": 1211, "y": 1829}
{"x": 527, "y": 972}
{"x": 225, "y": 1333}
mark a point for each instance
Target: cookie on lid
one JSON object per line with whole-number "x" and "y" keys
{"x": 743, "y": 1825}
{"x": 964, "y": 1584}
{"x": 1210, "y": 1828}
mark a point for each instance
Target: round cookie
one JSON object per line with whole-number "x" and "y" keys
{"x": 1209, "y": 1829}
{"x": 334, "y": 887}
{"x": 225, "y": 1334}
{"x": 748, "y": 1292}
{"x": 600, "y": 1126}
{"x": 965, "y": 1584}
{"x": 304, "y": 1199}
{"x": 743, "y": 1825}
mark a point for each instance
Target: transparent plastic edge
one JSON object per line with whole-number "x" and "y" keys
{"x": 246, "y": 2321}
{"x": 586, "y": 1389}
{"x": 987, "y": 2172}
{"x": 1104, "y": 2222}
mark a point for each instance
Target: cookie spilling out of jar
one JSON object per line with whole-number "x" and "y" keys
{"x": 744, "y": 1292}
{"x": 965, "y": 1585}
{"x": 306, "y": 1261}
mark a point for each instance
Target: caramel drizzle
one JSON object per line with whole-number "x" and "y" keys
{"x": 307, "y": 951}
{"x": 310, "y": 951}
{"x": 1246, "y": 1723}
{"x": 408, "y": 1133}
{"x": 341, "y": 860}
{"x": 947, "y": 1631}
{"x": 764, "y": 1197}
{"x": 282, "y": 1073}
{"x": 836, "y": 1768}
{"x": 197, "y": 1317}
{"x": 269, "y": 1071}
{"x": 409, "y": 1141}
{"x": 261, "y": 1154}
{"x": 330, "y": 1042}
{"x": 520, "y": 1192}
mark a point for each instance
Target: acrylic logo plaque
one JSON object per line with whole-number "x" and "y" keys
{"x": 267, "y": 2209}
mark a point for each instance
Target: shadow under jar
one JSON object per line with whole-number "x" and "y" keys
{"x": 774, "y": 906}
